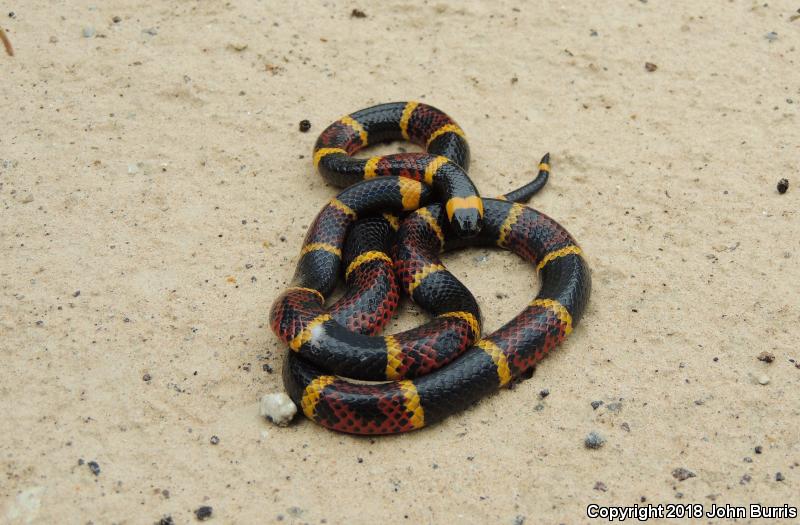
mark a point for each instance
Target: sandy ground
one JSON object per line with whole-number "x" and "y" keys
{"x": 155, "y": 189}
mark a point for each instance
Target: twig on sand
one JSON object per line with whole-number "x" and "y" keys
{"x": 6, "y": 43}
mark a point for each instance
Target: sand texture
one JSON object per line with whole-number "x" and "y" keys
{"x": 154, "y": 194}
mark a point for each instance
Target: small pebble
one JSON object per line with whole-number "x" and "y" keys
{"x": 682, "y": 474}
{"x": 544, "y": 393}
{"x": 763, "y": 380}
{"x": 759, "y": 449}
{"x": 204, "y": 512}
{"x": 594, "y": 440}
{"x": 766, "y": 357}
{"x": 117, "y": 20}
{"x": 745, "y": 479}
{"x": 166, "y": 520}
{"x": 650, "y": 67}
{"x": 94, "y": 467}
{"x": 152, "y": 31}
{"x": 771, "y": 36}
{"x": 214, "y": 440}
{"x": 89, "y": 32}
{"x": 266, "y": 368}
{"x": 779, "y": 476}
{"x": 596, "y": 404}
{"x": 600, "y": 486}
{"x": 146, "y": 378}
{"x": 783, "y": 185}
{"x": 305, "y": 125}
{"x": 27, "y": 199}
{"x": 358, "y": 13}
{"x": 278, "y": 408}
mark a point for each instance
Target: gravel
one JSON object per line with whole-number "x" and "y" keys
{"x": 594, "y": 440}
{"x": 204, "y": 512}
{"x": 682, "y": 474}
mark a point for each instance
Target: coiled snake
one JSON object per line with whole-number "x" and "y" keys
{"x": 445, "y": 365}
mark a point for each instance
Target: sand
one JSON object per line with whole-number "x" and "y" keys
{"x": 155, "y": 189}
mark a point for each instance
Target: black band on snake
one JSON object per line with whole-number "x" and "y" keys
{"x": 341, "y": 341}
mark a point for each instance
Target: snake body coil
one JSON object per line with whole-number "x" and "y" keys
{"x": 443, "y": 165}
{"x": 444, "y": 365}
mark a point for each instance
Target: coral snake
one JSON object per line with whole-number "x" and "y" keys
{"x": 422, "y": 375}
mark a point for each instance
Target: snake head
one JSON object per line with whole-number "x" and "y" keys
{"x": 465, "y": 216}
{"x": 466, "y": 223}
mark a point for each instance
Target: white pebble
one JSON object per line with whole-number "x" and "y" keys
{"x": 88, "y": 32}
{"x": 278, "y": 408}
{"x": 763, "y": 380}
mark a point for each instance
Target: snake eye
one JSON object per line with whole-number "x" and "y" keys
{"x": 466, "y": 222}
